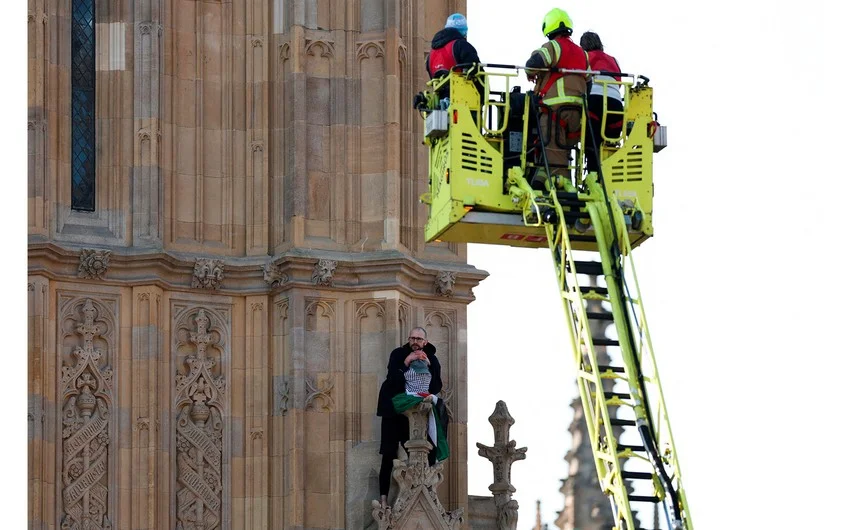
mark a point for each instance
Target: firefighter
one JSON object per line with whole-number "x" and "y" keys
{"x": 561, "y": 95}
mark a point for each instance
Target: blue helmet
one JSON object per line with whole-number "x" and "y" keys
{"x": 458, "y": 22}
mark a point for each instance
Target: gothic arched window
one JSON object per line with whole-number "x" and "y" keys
{"x": 82, "y": 105}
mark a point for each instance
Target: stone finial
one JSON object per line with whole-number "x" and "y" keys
{"x": 323, "y": 272}
{"x": 273, "y": 275}
{"x": 93, "y": 263}
{"x": 208, "y": 273}
{"x": 444, "y": 283}
{"x": 502, "y": 455}
{"x": 417, "y": 505}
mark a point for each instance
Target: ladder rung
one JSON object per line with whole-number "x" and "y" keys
{"x": 621, "y": 395}
{"x": 637, "y": 475}
{"x": 605, "y": 342}
{"x": 588, "y": 289}
{"x": 635, "y": 448}
{"x": 644, "y": 498}
{"x": 591, "y": 268}
{"x": 615, "y": 369}
{"x": 623, "y": 423}
{"x": 599, "y": 315}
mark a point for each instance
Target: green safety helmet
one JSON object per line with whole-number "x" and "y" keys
{"x": 557, "y": 20}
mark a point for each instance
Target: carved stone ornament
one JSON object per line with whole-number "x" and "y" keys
{"x": 444, "y": 283}
{"x": 323, "y": 272}
{"x": 417, "y": 504}
{"x": 273, "y": 275}
{"x": 208, "y": 273}
{"x": 283, "y": 396}
{"x": 320, "y": 391}
{"x": 200, "y": 409}
{"x": 86, "y": 388}
{"x": 502, "y": 455}
{"x": 93, "y": 263}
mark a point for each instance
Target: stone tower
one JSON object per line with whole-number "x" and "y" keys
{"x": 225, "y": 243}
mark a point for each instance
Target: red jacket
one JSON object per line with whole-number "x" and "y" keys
{"x": 570, "y": 56}
{"x": 600, "y": 60}
{"x": 442, "y": 59}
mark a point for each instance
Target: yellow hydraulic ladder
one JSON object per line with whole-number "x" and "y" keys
{"x": 479, "y": 192}
{"x": 618, "y": 465}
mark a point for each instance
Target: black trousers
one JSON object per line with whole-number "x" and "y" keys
{"x": 594, "y": 123}
{"x": 395, "y": 430}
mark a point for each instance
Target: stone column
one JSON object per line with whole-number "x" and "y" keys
{"x": 40, "y": 434}
{"x": 147, "y": 196}
{"x": 148, "y": 332}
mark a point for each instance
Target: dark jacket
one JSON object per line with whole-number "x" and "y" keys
{"x": 394, "y": 383}
{"x": 464, "y": 52}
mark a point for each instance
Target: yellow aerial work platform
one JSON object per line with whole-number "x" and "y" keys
{"x": 486, "y": 157}
{"x": 484, "y": 152}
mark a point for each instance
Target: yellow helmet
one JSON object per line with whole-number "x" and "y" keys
{"x": 555, "y": 20}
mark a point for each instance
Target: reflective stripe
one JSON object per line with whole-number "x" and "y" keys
{"x": 560, "y": 100}
{"x": 545, "y": 53}
{"x": 557, "y": 48}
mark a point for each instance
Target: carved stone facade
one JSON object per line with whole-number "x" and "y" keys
{"x": 207, "y": 345}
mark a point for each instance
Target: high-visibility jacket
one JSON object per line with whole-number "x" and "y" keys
{"x": 558, "y": 88}
{"x": 600, "y": 60}
{"x": 442, "y": 59}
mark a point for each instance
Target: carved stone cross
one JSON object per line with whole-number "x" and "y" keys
{"x": 502, "y": 455}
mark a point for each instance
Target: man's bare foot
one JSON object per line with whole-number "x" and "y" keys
{"x": 384, "y": 502}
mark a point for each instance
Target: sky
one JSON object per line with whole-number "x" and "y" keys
{"x": 743, "y": 283}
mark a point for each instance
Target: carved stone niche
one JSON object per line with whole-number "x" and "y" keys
{"x": 208, "y": 273}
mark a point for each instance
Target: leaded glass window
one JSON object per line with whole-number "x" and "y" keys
{"x": 82, "y": 105}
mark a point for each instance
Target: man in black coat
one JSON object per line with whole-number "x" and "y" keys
{"x": 394, "y": 426}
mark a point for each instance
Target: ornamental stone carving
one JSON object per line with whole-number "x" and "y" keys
{"x": 86, "y": 388}
{"x": 208, "y": 273}
{"x": 502, "y": 455}
{"x": 323, "y": 272}
{"x": 283, "y": 395}
{"x": 417, "y": 504}
{"x": 444, "y": 284}
{"x": 200, "y": 412}
{"x": 273, "y": 275}
{"x": 93, "y": 263}
{"x": 322, "y": 392}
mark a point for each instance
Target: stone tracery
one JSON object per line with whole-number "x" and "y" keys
{"x": 87, "y": 396}
{"x": 200, "y": 390}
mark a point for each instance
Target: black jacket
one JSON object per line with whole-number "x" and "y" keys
{"x": 394, "y": 383}
{"x": 463, "y": 51}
